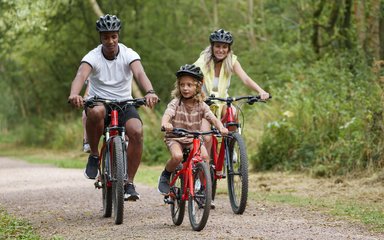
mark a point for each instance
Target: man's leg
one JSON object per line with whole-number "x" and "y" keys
{"x": 94, "y": 126}
{"x": 134, "y": 131}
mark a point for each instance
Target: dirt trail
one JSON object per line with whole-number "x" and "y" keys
{"x": 62, "y": 202}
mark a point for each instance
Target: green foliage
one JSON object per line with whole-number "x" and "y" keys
{"x": 155, "y": 151}
{"x": 330, "y": 118}
{"x": 12, "y": 228}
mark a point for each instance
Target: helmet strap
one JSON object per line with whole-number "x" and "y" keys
{"x": 188, "y": 97}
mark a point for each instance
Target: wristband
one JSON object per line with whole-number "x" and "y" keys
{"x": 150, "y": 91}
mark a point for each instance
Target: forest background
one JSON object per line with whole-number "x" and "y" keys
{"x": 321, "y": 60}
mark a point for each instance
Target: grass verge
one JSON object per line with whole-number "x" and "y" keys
{"x": 13, "y": 228}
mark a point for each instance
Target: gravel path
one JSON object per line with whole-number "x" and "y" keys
{"x": 61, "y": 202}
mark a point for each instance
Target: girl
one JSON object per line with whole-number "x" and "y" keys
{"x": 186, "y": 110}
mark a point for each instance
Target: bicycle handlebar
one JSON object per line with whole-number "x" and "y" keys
{"x": 184, "y": 132}
{"x": 250, "y": 99}
{"x": 137, "y": 102}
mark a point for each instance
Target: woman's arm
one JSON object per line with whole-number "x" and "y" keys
{"x": 239, "y": 71}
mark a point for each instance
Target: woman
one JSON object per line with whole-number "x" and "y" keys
{"x": 218, "y": 63}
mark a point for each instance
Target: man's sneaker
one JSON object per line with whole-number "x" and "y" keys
{"x": 86, "y": 147}
{"x": 92, "y": 167}
{"x": 130, "y": 193}
{"x": 163, "y": 186}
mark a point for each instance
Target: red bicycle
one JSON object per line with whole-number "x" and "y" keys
{"x": 191, "y": 181}
{"x": 113, "y": 164}
{"x": 231, "y": 160}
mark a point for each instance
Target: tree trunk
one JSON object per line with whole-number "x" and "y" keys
{"x": 359, "y": 10}
{"x": 345, "y": 29}
{"x": 372, "y": 40}
{"x": 96, "y": 8}
{"x": 316, "y": 27}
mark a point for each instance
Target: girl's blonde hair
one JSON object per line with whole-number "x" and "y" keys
{"x": 199, "y": 96}
{"x": 209, "y": 58}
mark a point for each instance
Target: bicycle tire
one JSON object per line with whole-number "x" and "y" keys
{"x": 106, "y": 189}
{"x": 118, "y": 180}
{"x": 213, "y": 180}
{"x": 200, "y": 204}
{"x": 178, "y": 206}
{"x": 237, "y": 170}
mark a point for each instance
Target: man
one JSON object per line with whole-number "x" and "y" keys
{"x": 110, "y": 68}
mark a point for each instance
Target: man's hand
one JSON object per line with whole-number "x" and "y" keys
{"x": 76, "y": 101}
{"x": 151, "y": 99}
{"x": 223, "y": 131}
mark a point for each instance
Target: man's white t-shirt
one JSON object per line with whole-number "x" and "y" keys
{"x": 111, "y": 79}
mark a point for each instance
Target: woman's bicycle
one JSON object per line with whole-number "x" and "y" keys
{"x": 113, "y": 164}
{"x": 191, "y": 181}
{"x": 231, "y": 160}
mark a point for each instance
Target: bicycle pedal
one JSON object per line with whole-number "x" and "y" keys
{"x": 168, "y": 200}
{"x": 98, "y": 184}
{"x": 221, "y": 176}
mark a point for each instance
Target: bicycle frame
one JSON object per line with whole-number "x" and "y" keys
{"x": 228, "y": 121}
{"x": 193, "y": 158}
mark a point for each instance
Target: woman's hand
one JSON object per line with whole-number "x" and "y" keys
{"x": 264, "y": 95}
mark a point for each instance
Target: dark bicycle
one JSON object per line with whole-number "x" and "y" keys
{"x": 113, "y": 165}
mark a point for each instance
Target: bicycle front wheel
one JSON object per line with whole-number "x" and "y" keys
{"x": 118, "y": 180}
{"x": 237, "y": 174}
{"x": 178, "y": 205}
{"x": 200, "y": 204}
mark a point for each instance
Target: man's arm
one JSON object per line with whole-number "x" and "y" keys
{"x": 77, "y": 84}
{"x": 141, "y": 77}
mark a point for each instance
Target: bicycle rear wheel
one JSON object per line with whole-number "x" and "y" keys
{"x": 118, "y": 180}
{"x": 237, "y": 174}
{"x": 178, "y": 206}
{"x": 106, "y": 188}
{"x": 200, "y": 204}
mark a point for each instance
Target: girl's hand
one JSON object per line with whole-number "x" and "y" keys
{"x": 264, "y": 95}
{"x": 224, "y": 131}
{"x": 168, "y": 127}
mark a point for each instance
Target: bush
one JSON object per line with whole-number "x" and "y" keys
{"x": 330, "y": 115}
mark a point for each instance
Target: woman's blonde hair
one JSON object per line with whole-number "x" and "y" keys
{"x": 209, "y": 58}
{"x": 199, "y": 96}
